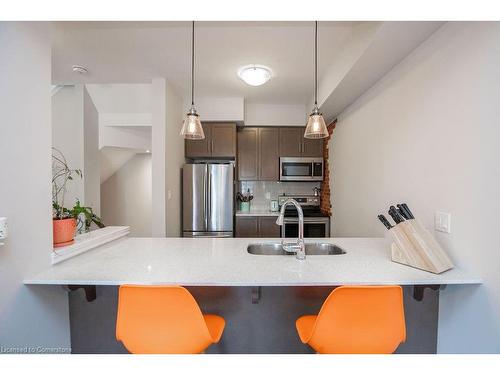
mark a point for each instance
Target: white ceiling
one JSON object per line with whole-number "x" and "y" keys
{"x": 135, "y": 52}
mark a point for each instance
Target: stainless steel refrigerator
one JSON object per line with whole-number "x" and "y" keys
{"x": 207, "y": 200}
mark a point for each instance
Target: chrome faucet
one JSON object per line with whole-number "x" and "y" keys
{"x": 298, "y": 248}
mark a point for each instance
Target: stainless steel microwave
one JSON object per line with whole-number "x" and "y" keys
{"x": 301, "y": 169}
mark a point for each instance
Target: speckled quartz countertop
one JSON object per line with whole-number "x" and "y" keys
{"x": 225, "y": 262}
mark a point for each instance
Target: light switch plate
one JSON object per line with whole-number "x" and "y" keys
{"x": 442, "y": 221}
{"x": 3, "y": 229}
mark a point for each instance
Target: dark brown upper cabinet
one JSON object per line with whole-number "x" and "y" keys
{"x": 291, "y": 141}
{"x": 269, "y": 157}
{"x": 293, "y": 144}
{"x": 312, "y": 148}
{"x": 219, "y": 142}
{"x": 248, "y": 154}
{"x": 258, "y": 154}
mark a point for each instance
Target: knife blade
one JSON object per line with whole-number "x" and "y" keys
{"x": 384, "y": 221}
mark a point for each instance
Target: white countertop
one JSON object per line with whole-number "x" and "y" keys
{"x": 257, "y": 213}
{"x": 225, "y": 262}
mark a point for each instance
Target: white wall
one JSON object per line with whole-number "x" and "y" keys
{"x": 134, "y": 137}
{"x": 75, "y": 132}
{"x": 91, "y": 157}
{"x": 264, "y": 114}
{"x": 174, "y": 161}
{"x": 126, "y": 196}
{"x": 158, "y": 163}
{"x": 167, "y": 160}
{"x": 427, "y": 134}
{"x": 218, "y": 109}
{"x": 29, "y": 316}
{"x": 68, "y": 135}
{"x": 112, "y": 159}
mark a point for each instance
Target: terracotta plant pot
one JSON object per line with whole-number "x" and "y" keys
{"x": 64, "y": 231}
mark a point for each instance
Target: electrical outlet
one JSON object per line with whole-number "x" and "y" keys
{"x": 3, "y": 229}
{"x": 268, "y": 195}
{"x": 442, "y": 222}
{"x": 169, "y": 194}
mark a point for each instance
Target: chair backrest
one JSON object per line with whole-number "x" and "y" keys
{"x": 160, "y": 319}
{"x": 360, "y": 319}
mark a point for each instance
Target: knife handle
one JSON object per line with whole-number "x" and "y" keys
{"x": 406, "y": 210}
{"x": 384, "y": 221}
{"x": 403, "y": 212}
{"x": 396, "y": 216}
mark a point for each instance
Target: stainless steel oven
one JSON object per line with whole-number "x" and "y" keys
{"x": 314, "y": 227}
{"x": 301, "y": 169}
{"x": 316, "y": 224}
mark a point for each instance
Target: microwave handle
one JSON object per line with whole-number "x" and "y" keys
{"x": 313, "y": 170}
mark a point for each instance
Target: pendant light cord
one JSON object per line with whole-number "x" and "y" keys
{"x": 316, "y": 63}
{"x": 192, "y": 67}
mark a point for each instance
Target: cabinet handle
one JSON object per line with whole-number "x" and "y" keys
{"x": 300, "y": 147}
{"x": 212, "y": 146}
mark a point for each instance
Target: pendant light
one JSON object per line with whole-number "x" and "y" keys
{"x": 191, "y": 128}
{"x": 316, "y": 127}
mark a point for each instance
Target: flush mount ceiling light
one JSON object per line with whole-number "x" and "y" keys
{"x": 192, "y": 129}
{"x": 80, "y": 69}
{"x": 254, "y": 75}
{"x": 316, "y": 127}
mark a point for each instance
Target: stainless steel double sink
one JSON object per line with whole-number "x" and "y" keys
{"x": 316, "y": 248}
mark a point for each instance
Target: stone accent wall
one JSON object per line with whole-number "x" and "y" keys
{"x": 326, "y": 206}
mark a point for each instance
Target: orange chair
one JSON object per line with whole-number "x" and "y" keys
{"x": 164, "y": 319}
{"x": 356, "y": 320}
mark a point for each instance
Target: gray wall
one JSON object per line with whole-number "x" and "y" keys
{"x": 126, "y": 196}
{"x": 267, "y": 327}
{"x": 427, "y": 134}
{"x": 29, "y": 316}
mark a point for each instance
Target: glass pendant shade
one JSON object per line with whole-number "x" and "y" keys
{"x": 316, "y": 126}
{"x": 191, "y": 128}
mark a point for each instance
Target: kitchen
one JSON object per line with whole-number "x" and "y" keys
{"x": 260, "y": 211}
{"x": 272, "y": 164}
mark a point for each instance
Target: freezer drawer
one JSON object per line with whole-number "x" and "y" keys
{"x": 207, "y": 234}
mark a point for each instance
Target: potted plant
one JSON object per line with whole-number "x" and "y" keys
{"x": 244, "y": 200}
{"x": 64, "y": 220}
{"x": 85, "y": 217}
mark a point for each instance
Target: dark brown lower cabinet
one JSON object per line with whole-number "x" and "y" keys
{"x": 268, "y": 227}
{"x": 257, "y": 226}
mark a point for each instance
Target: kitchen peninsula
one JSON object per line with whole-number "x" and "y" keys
{"x": 226, "y": 262}
{"x": 257, "y": 294}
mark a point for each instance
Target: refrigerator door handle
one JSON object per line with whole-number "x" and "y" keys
{"x": 205, "y": 205}
{"x": 209, "y": 200}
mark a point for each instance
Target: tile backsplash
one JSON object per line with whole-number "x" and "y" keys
{"x": 259, "y": 189}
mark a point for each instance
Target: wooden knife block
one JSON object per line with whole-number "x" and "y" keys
{"x": 416, "y": 247}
